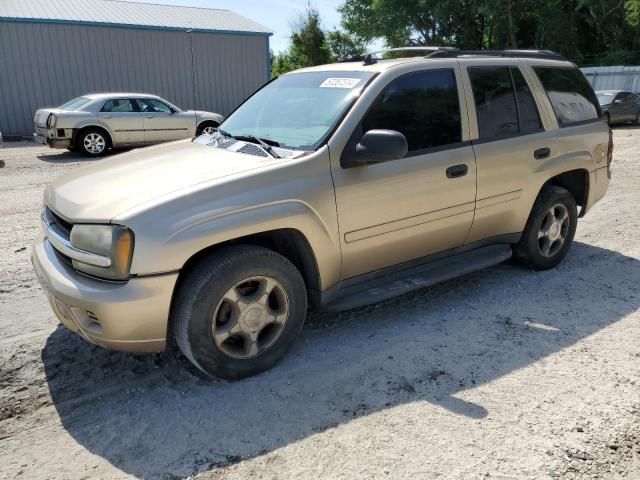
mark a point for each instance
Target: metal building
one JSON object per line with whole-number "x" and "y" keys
{"x": 614, "y": 78}
{"x": 54, "y": 50}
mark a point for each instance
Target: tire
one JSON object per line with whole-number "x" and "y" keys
{"x": 637, "y": 121}
{"x": 93, "y": 142}
{"x": 229, "y": 322}
{"x": 543, "y": 253}
{"x": 206, "y": 127}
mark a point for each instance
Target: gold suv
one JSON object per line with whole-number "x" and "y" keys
{"x": 331, "y": 187}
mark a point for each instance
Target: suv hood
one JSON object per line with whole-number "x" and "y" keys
{"x": 100, "y": 192}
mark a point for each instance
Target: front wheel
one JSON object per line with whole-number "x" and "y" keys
{"x": 550, "y": 229}
{"x": 239, "y": 311}
{"x": 206, "y": 128}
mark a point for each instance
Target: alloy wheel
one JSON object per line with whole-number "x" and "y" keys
{"x": 94, "y": 143}
{"x": 553, "y": 230}
{"x": 250, "y": 317}
{"x": 209, "y": 130}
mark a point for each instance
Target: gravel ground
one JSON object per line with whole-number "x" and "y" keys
{"x": 504, "y": 373}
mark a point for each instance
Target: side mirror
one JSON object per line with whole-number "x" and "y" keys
{"x": 377, "y": 146}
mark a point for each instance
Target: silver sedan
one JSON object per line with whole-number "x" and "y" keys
{"x": 93, "y": 124}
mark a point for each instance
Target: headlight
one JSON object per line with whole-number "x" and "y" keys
{"x": 111, "y": 241}
{"x": 52, "y": 120}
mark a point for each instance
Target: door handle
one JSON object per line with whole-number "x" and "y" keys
{"x": 148, "y": 116}
{"x": 457, "y": 171}
{"x": 541, "y": 153}
{"x": 107, "y": 117}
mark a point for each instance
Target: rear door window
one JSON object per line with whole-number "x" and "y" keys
{"x": 151, "y": 105}
{"x": 423, "y": 106}
{"x": 572, "y": 98}
{"x": 495, "y": 102}
{"x": 504, "y": 104}
{"x": 527, "y": 109}
{"x": 120, "y": 105}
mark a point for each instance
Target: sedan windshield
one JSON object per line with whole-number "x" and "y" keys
{"x": 605, "y": 98}
{"x": 75, "y": 104}
{"x": 297, "y": 110}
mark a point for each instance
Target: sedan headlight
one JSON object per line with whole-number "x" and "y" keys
{"x": 112, "y": 242}
{"x": 51, "y": 121}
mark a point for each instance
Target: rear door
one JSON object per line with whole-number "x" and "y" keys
{"x": 122, "y": 118}
{"x": 161, "y": 122}
{"x": 508, "y": 139}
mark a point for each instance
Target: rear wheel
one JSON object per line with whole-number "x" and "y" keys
{"x": 550, "y": 229}
{"x": 93, "y": 142}
{"x": 239, "y": 311}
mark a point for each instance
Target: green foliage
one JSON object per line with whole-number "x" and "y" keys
{"x": 586, "y": 31}
{"x": 343, "y": 45}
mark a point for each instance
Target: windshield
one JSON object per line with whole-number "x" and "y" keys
{"x": 605, "y": 98}
{"x": 75, "y": 104}
{"x": 298, "y": 110}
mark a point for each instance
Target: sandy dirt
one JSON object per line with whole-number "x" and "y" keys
{"x": 505, "y": 373}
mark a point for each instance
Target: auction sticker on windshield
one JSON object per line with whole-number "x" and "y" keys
{"x": 340, "y": 83}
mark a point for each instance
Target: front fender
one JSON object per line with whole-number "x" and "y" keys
{"x": 202, "y": 116}
{"x": 194, "y": 234}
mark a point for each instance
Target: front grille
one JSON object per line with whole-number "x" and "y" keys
{"x": 62, "y": 228}
{"x": 58, "y": 223}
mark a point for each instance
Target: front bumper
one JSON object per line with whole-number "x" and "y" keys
{"x": 131, "y": 316}
{"x": 50, "y": 136}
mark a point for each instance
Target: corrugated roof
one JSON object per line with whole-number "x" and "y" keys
{"x": 122, "y": 13}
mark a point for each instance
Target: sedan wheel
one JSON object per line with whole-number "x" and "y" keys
{"x": 93, "y": 143}
{"x": 209, "y": 130}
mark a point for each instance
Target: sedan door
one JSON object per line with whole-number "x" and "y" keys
{"x": 421, "y": 204}
{"x": 120, "y": 116}
{"x": 161, "y": 122}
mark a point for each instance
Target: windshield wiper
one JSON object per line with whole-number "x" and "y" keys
{"x": 253, "y": 139}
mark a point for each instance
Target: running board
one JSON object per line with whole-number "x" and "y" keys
{"x": 416, "y": 277}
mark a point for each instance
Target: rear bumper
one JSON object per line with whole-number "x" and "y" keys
{"x": 49, "y": 136}
{"x": 131, "y": 316}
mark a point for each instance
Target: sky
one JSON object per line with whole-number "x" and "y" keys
{"x": 273, "y": 14}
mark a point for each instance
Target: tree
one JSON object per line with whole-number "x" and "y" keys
{"x": 343, "y": 45}
{"x": 589, "y": 31}
{"x": 308, "y": 42}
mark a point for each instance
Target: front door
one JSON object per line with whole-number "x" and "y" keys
{"x": 404, "y": 209}
{"x": 121, "y": 117}
{"x": 161, "y": 123}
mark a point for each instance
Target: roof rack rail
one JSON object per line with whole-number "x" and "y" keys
{"x": 452, "y": 52}
{"x": 544, "y": 54}
{"x": 372, "y": 57}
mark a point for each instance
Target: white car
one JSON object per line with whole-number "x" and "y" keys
{"x": 95, "y": 123}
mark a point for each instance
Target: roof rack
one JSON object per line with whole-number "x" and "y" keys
{"x": 372, "y": 57}
{"x": 452, "y": 52}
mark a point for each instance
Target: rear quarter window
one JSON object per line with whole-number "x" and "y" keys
{"x": 572, "y": 98}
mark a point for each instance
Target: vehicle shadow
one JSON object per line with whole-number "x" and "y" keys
{"x": 66, "y": 156}
{"x": 151, "y": 417}
{"x": 63, "y": 156}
